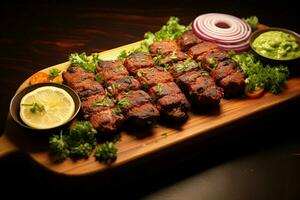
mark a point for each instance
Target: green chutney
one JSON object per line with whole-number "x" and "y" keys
{"x": 277, "y": 45}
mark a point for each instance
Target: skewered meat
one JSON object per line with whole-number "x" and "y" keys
{"x": 124, "y": 84}
{"x": 131, "y": 101}
{"x": 163, "y": 47}
{"x": 187, "y": 40}
{"x": 173, "y": 56}
{"x": 229, "y": 77}
{"x": 149, "y": 77}
{"x": 111, "y": 70}
{"x": 201, "y": 48}
{"x": 212, "y": 58}
{"x": 170, "y": 101}
{"x": 166, "y": 95}
{"x": 137, "y": 61}
{"x": 200, "y": 88}
{"x": 82, "y": 82}
{"x": 96, "y": 103}
{"x": 96, "y": 106}
{"x": 107, "y": 121}
{"x": 136, "y": 106}
{"x": 233, "y": 84}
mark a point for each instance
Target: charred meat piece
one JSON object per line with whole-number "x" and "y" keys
{"x": 137, "y": 61}
{"x": 106, "y": 121}
{"x": 233, "y": 84}
{"x": 87, "y": 88}
{"x": 182, "y": 67}
{"x": 96, "y": 103}
{"x": 200, "y": 88}
{"x": 171, "y": 57}
{"x": 124, "y": 84}
{"x": 163, "y": 47}
{"x": 149, "y": 77}
{"x": 75, "y": 75}
{"x": 223, "y": 69}
{"x": 170, "y": 101}
{"x": 136, "y": 107}
{"x": 212, "y": 58}
{"x": 111, "y": 70}
{"x": 187, "y": 40}
{"x": 201, "y": 48}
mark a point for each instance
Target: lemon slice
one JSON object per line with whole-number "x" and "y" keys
{"x": 46, "y": 107}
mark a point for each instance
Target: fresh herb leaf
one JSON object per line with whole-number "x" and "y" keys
{"x": 106, "y": 151}
{"x": 252, "y": 21}
{"x": 35, "y": 107}
{"x": 77, "y": 142}
{"x": 103, "y": 101}
{"x": 123, "y": 103}
{"x": 171, "y": 30}
{"x": 272, "y": 78}
{"x": 81, "y": 60}
{"x": 54, "y": 73}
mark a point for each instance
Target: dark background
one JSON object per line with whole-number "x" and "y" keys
{"x": 258, "y": 158}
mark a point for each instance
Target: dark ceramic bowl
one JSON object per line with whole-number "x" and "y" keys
{"x": 15, "y": 103}
{"x": 256, "y": 33}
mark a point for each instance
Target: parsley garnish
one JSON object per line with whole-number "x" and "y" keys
{"x": 54, "y": 73}
{"x": 35, "y": 107}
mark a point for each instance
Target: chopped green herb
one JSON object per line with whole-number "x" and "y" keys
{"x": 77, "y": 142}
{"x": 103, "y": 101}
{"x": 183, "y": 66}
{"x": 35, "y": 107}
{"x": 54, "y": 73}
{"x": 99, "y": 78}
{"x": 123, "y": 103}
{"x": 159, "y": 89}
{"x": 106, "y": 151}
{"x": 212, "y": 62}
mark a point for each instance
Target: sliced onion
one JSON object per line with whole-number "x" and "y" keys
{"x": 227, "y": 31}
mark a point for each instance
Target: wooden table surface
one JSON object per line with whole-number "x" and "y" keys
{"x": 255, "y": 159}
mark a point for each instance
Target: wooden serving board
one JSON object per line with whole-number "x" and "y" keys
{"x": 138, "y": 143}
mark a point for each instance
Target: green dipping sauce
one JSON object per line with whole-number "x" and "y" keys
{"x": 277, "y": 45}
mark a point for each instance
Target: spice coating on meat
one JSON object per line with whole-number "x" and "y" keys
{"x": 163, "y": 47}
{"x": 149, "y": 77}
{"x": 137, "y": 61}
{"x": 87, "y": 88}
{"x": 124, "y": 84}
{"x": 136, "y": 106}
{"x": 107, "y": 121}
{"x": 233, "y": 84}
{"x": 96, "y": 103}
{"x": 172, "y": 56}
{"x": 223, "y": 69}
{"x": 169, "y": 97}
{"x": 201, "y": 48}
{"x": 111, "y": 70}
{"x": 75, "y": 75}
{"x": 181, "y": 67}
{"x": 187, "y": 40}
{"x": 212, "y": 58}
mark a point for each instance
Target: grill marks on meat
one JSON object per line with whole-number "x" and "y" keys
{"x": 163, "y": 47}
{"x": 187, "y": 40}
{"x": 197, "y": 91}
{"x": 228, "y": 76}
{"x": 167, "y": 96}
{"x": 96, "y": 106}
{"x": 201, "y": 48}
{"x": 131, "y": 101}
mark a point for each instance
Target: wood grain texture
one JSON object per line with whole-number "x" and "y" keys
{"x": 136, "y": 143}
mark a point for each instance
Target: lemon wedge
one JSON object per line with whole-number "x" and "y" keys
{"x": 46, "y": 107}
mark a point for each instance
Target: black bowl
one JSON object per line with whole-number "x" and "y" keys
{"x": 256, "y": 33}
{"x": 15, "y": 102}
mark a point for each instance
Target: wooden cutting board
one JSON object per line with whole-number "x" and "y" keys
{"x": 136, "y": 143}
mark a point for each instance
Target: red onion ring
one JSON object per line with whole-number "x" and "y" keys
{"x": 234, "y": 36}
